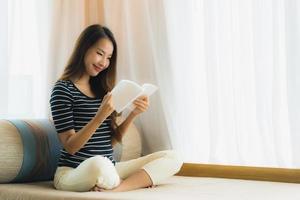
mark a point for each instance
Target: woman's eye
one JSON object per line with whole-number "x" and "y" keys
{"x": 101, "y": 54}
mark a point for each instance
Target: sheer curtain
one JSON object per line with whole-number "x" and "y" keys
{"x": 224, "y": 72}
{"x": 3, "y": 55}
{"x": 36, "y": 40}
{"x": 227, "y": 70}
{"x": 234, "y": 53}
{"x": 69, "y": 19}
{"x": 25, "y": 40}
{"x": 143, "y": 57}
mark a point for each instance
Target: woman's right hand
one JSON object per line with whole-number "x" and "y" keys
{"x": 106, "y": 107}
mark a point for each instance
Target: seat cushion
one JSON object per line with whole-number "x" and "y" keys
{"x": 176, "y": 187}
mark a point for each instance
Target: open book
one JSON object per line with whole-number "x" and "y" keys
{"x": 126, "y": 91}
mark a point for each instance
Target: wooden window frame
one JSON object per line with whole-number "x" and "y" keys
{"x": 287, "y": 175}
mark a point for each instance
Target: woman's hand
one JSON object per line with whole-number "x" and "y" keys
{"x": 141, "y": 105}
{"x": 106, "y": 107}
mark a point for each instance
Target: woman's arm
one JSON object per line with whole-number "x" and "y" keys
{"x": 142, "y": 104}
{"x": 121, "y": 130}
{"x": 72, "y": 141}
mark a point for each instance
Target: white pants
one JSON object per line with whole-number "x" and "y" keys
{"x": 159, "y": 166}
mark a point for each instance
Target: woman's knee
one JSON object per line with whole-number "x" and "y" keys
{"x": 174, "y": 157}
{"x": 97, "y": 163}
{"x": 178, "y": 161}
{"x": 165, "y": 164}
{"x": 104, "y": 171}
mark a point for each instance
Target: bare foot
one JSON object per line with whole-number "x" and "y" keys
{"x": 99, "y": 189}
{"x": 118, "y": 189}
{"x": 139, "y": 179}
{"x": 151, "y": 186}
{"x": 96, "y": 189}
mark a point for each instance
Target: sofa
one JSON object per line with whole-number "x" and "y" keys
{"x": 29, "y": 151}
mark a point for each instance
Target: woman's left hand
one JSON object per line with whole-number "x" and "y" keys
{"x": 142, "y": 104}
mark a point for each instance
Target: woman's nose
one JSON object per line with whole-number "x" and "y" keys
{"x": 102, "y": 62}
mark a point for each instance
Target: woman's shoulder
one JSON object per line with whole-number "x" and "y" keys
{"x": 66, "y": 84}
{"x": 63, "y": 86}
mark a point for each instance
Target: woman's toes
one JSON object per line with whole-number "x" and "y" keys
{"x": 96, "y": 189}
{"x": 151, "y": 186}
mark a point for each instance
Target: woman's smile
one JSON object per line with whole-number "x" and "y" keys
{"x": 98, "y": 68}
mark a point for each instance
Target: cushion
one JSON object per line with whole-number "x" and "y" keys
{"x": 131, "y": 145}
{"x": 30, "y": 149}
{"x": 175, "y": 188}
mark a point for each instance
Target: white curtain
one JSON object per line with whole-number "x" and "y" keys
{"x": 36, "y": 40}
{"x": 227, "y": 70}
{"x": 224, "y": 72}
{"x": 3, "y": 55}
{"x": 137, "y": 60}
{"x": 25, "y": 41}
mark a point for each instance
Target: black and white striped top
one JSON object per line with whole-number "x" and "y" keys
{"x": 71, "y": 109}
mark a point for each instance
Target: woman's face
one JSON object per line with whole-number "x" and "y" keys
{"x": 97, "y": 58}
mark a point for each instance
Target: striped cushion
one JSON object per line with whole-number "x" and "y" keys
{"x": 29, "y": 149}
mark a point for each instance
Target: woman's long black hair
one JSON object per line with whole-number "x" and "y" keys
{"x": 105, "y": 80}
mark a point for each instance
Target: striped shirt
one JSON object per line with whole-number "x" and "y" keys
{"x": 71, "y": 109}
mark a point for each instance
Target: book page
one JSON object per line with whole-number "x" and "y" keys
{"x": 148, "y": 90}
{"x": 124, "y": 93}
